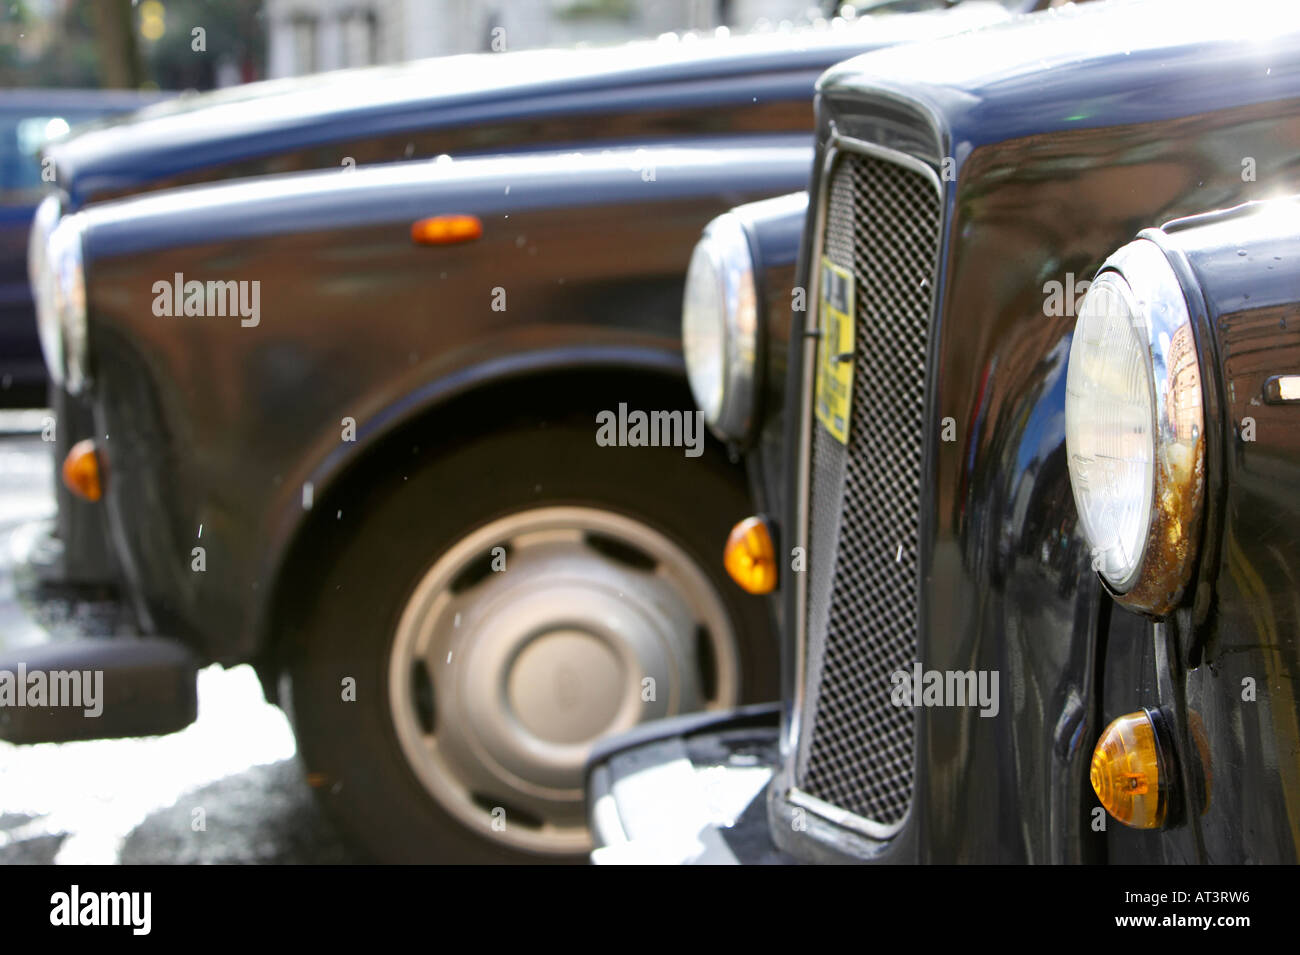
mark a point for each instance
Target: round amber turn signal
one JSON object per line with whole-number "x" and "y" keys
{"x": 81, "y": 471}
{"x": 1127, "y": 772}
{"x": 750, "y": 557}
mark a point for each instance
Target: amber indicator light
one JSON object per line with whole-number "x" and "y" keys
{"x": 446, "y": 230}
{"x": 750, "y": 557}
{"x": 81, "y": 471}
{"x": 1128, "y": 772}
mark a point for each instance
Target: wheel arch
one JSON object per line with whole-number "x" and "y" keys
{"x": 497, "y": 390}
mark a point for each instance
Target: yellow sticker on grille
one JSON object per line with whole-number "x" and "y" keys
{"x": 835, "y": 351}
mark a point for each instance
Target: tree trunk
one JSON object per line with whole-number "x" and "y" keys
{"x": 115, "y": 42}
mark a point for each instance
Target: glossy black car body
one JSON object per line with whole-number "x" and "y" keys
{"x": 242, "y": 456}
{"x": 362, "y": 323}
{"x": 637, "y": 97}
{"x": 22, "y": 371}
{"x": 1053, "y": 142}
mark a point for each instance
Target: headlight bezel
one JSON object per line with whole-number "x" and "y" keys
{"x": 722, "y": 360}
{"x": 42, "y": 277}
{"x": 57, "y": 272}
{"x": 1177, "y": 491}
{"x": 66, "y": 262}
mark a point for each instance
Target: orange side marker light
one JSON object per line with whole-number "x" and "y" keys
{"x": 750, "y": 556}
{"x": 1129, "y": 774}
{"x": 446, "y": 230}
{"x": 81, "y": 471}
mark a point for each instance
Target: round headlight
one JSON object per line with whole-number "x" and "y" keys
{"x": 42, "y": 281}
{"x": 720, "y": 327}
{"x": 1109, "y": 428}
{"x": 1133, "y": 428}
{"x": 67, "y": 267}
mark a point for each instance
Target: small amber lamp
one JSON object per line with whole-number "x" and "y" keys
{"x": 81, "y": 471}
{"x": 750, "y": 556}
{"x": 1130, "y": 774}
{"x": 446, "y": 230}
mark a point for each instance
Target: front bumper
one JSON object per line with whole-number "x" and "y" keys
{"x": 690, "y": 790}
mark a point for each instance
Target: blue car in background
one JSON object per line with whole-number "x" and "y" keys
{"x": 28, "y": 118}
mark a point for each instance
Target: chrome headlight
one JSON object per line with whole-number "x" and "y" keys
{"x": 1134, "y": 428}
{"x": 720, "y": 327}
{"x": 42, "y": 282}
{"x": 68, "y": 266}
{"x": 58, "y": 278}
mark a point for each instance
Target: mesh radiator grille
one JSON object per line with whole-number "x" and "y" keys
{"x": 882, "y": 224}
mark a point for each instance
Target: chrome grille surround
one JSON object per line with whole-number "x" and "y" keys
{"x": 850, "y": 754}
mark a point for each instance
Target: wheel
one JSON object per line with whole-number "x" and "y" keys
{"x": 496, "y": 608}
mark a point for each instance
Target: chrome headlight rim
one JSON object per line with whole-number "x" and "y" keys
{"x": 724, "y": 260}
{"x": 66, "y": 263}
{"x": 42, "y": 279}
{"x": 1177, "y": 490}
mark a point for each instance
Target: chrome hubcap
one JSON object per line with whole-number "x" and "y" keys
{"x": 531, "y": 638}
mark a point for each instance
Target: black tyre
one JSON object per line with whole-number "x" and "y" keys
{"x": 481, "y": 616}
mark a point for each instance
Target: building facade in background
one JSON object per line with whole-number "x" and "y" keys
{"x": 307, "y": 36}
